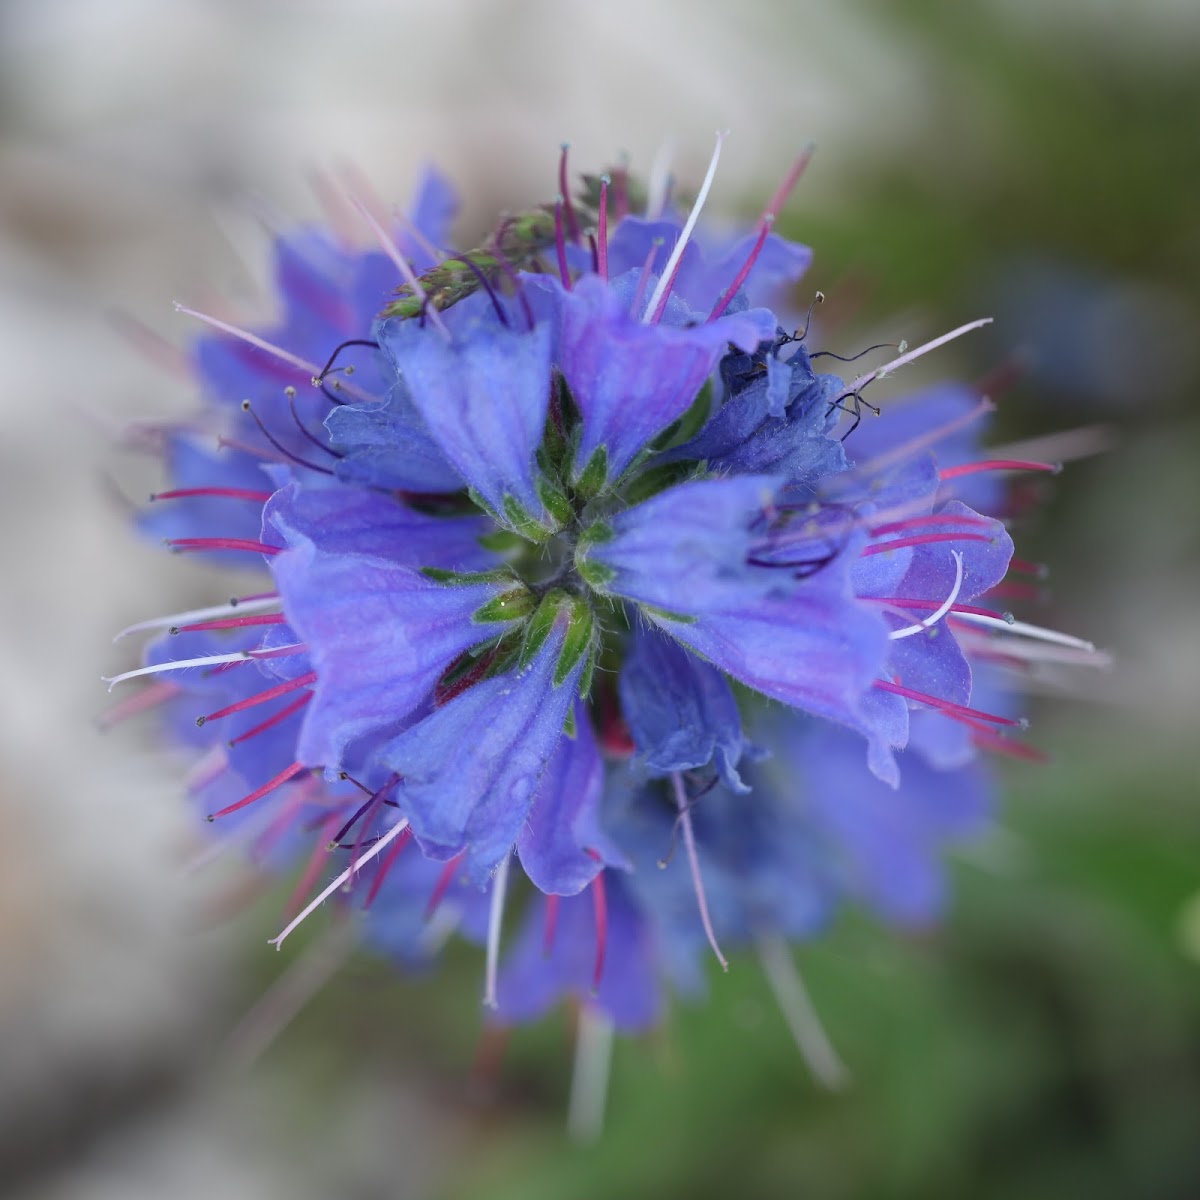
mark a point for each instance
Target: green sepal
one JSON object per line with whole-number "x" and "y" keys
{"x": 596, "y": 534}
{"x": 478, "y": 500}
{"x": 578, "y": 641}
{"x": 569, "y": 724}
{"x": 589, "y": 671}
{"x": 690, "y": 424}
{"x": 520, "y": 522}
{"x": 508, "y": 606}
{"x": 667, "y": 615}
{"x": 594, "y": 475}
{"x": 467, "y": 578}
{"x": 502, "y": 541}
{"x": 596, "y": 575}
{"x": 658, "y": 479}
{"x": 556, "y": 502}
{"x": 539, "y": 625}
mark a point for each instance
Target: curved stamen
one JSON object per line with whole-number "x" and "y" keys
{"x": 224, "y": 493}
{"x": 948, "y": 707}
{"x": 242, "y": 604}
{"x": 277, "y": 719}
{"x": 288, "y": 454}
{"x": 998, "y": 464}
{"x": 381, "y": 845}
{"x": 658, "y": 299}
{"x": 263, "y": 697}
{"x": 278, "y": 781}
{"x": 923, "y": 539}
{"x": 402, "y": 265}
{"x": 909, "y": 630}
{"x": 600, "y": 913}
{"x": 929, "y": 519}
{"x": 689, "y": 844}
{"x": 290, "y": 393}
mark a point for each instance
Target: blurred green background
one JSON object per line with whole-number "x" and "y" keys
{"x": 1044, "y": 1041}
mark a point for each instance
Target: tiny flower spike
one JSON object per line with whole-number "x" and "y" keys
{"x": 597, "y": 626}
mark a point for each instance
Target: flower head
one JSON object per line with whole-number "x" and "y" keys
{"x": 570, "y": 554}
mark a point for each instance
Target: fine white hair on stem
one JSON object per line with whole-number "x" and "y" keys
{"x": 946, "y": 605}
{"x": 230, "y": 608}
{"x": 345, "y": 877}
{"x": 668, "y": 272}
{"x": 590, "y": 1075}
{"x": 495, "y": 921}
{"x": 794, "y": 1002}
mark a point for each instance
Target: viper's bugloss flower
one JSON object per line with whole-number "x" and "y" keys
{"x": 586, "y": 594}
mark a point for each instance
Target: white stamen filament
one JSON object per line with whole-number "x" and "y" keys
{"x": 402, "y": 264}
{"x": 230, "y": 609}
{"x": 495, "y": 920}
{"x": 947, "y": 604}
{"x": 356, "y": 866}
{"x": 689, "y": 845}
{"x": 1025, "y": 630}
{"x": 664, "y": 280}
{"x": 904, "y": 359}
{"x": 659, "y": 180}
{"x": 212, "y": 660}
{"x": 1034, "y": 652}
{"x": 812, "y": 1041}
{"x": 590, "y": 1075}
{"x": 251, "y": 339}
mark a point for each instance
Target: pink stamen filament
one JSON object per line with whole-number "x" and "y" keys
{"x": 997, "y": 464}
{"x": 902, "y": 602}
{"x": 930, "y": 519}
{"x": 565, "y": 190}
{"x": 551, "y": 927}
{"x": 689, "y": 843}
{"x": 402, "y": 265}
{"x": 728, "y": 294}
{"x": 197, "y": 543}
{"x": 602, "y": 231}
{"x": 785, "y": 189}
{"x": 443, "y": 884}
{"x": 389, "y": 860}
{"x": 644, "y": 279}
{"x": 281, "y": 689}
{"x": 148, "y": 698}
{"x": 1024, "y": 567}
{"x": 988, "y": 739}
{"x": 560, "y": 245}
{"x": 600, "y": 912}
{"x": 923, "y": 540}
{"x": 226, "y": 493}
{"x": 945, "y": 706}
{"x": 258, "y": 793}
{"x": 230, "y": 623}
{"x": 251, "y": 339}
{"x": 277, "y": 719}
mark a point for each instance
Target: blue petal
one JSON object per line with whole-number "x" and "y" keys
{"x": 631, "y": 380}
{"x": 471, "y": 769}
{"x": 562, "y": 846}
{"x": 483, "y": 397}
{"x": 680, "y": 711}
{"x": 532, "y": 981}
{"x": 685, "y": 550}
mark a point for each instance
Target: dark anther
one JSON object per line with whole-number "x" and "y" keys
{"x": 246, "y": 407}
{"x": 338, "y": 349}
{"x": 853, "y": 357}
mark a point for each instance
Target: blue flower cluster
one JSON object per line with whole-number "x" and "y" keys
{"x": 575, "y": 562}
